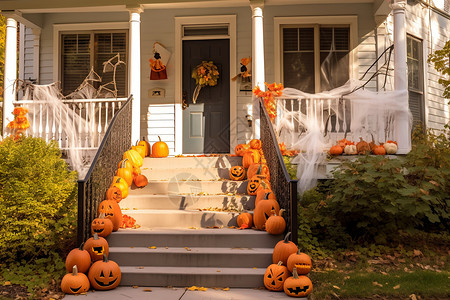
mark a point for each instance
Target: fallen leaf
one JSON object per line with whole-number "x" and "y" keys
{"x": 188, "y": 249}
{"x": 218, "y": 271}
{"x": 396, "y": 287}
{"x": 7, "y": 283}
{"x": 377, "y": 284}
{"x": 140, "y": 267}
{"x": 412, "y": 297}
{"x": 417, "y": 253}
{"x": 384, "y": 273}
{"x": 336, "y": 287}
{"x": 152, "y": 247}
{"x": 255, "y": 268}
{"x": 226, "y": 289}
{"x": 135, "y": 286}
{"x": 147, "y": 290}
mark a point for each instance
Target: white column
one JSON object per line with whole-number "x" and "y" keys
{"x": 10, "y": 76}
{"x": 400, "y": 74}
{"x": 258, "y": 77}
{"x": 135, "y": 71}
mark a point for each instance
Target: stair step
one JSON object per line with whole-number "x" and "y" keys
{"x": 186, "y": 174}
{"x": 184, "y": 237}
{"x": 199, "y": 276}
{"x": 150, "y": 201}
{"x": 222, "y": 161}
{"x": 192, "y": 187}
{"x": 191, "y": 257}
{"x": 182, "y": 218}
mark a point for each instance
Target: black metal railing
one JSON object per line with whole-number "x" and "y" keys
{"x": 283, "y": 186}
{"x": 92, "y": 189}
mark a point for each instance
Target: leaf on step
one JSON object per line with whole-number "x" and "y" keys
{"x": 188, "y": 249}
{"x": 218, "y": 271}
{"x": 135, "y": 286}
{"x": 125, "y": 208}
{"x": 192, "y": 227}
{"x": 152, "y": 247}
{"x": 230, "y": 194}
{"x": 255, "y": 268}
{"x": 147, "y": 290}
{"x": 167, "y": 247}
{"x": 134, "y": 208}
{"x": 232, "y": 227}
{"x": 140, "y": 267}
{"x": 226, "y": 289}
{"x": 197, "y": 288}
{"x": 396, "y": 287}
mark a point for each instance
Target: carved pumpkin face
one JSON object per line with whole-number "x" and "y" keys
{"x": 75, "y": 283}
{"x": 240, "y": 149}
{"x": 237, "y": 173}
{"x": 104, "y": 274}
{"x": 263, "y": 211}
{"x": 256, "y": 182}
{"x": 298, "y": 286}
{"x": 114, "y": 193}
{"x": 301, "y": 261}
{"x": 112, "y": 211}
{"x": 275, "y": 276}
{"x": 102, "y": 226}
{"x": 96, "y": 246}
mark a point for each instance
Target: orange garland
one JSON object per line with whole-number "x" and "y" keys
{"x": 268, "y": 97}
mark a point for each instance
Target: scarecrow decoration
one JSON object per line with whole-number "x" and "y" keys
{"x": 245, "y": 70}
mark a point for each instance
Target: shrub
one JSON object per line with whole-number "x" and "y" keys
{"x": 37, "y": 200}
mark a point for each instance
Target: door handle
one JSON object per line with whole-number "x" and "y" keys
{"x": 184, "y": 103}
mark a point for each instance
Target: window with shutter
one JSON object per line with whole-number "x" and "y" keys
{"x": 415, "y": 79}
{"x": 83, "y": 50}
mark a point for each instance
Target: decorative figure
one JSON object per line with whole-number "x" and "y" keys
{"x": 158, "y": 62}
{"x": 245, "y": 70}
{"x": 20, "y": 123}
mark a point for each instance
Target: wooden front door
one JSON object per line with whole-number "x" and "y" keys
{"x": 206, "y": 124}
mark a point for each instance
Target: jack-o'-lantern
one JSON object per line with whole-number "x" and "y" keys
{"x": 96, "y": 246}
{"x": 258, "y": 169}
{"x": 255, "y": 183}
{"x": 255, "y": 144}
{"x": 283, "y": 249}
{"x": 114, "y": 193}
{"x": 112, "y": 211}
{"x": 102, "y": 226}
{"x": 79, "y": 257}
{"x": 250, "y": 156}
{"x": 298, "y": 286}
{"x": 245, "y": 220}
{"x": 104, "y": 274}
{"x": 301, "y": 261}
{"x": 240, "y": 149}
{"x": 237, "y": 173}
{"x": 75, "y": 283}
{"x": 276, "y": 224}
{"x": 275, "y": 276}
{"x": 261, "y": 193}
{"x": 263, "y": 211}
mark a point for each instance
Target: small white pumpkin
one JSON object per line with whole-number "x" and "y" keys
{"x": 350, "y": 150}
{"x": 391, "y": 148}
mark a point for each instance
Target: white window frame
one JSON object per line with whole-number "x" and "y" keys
{"x": 280, "y": 22}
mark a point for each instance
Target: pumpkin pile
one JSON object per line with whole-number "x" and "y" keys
{"x": 287, "y": 260}
{"x": 347, "y": 147}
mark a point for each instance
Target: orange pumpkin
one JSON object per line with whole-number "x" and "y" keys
{"x": 255, "y": 183}
{"x": 245, "y": 220}
{"x": 240, "y": 149}
{"x": 336, "y": 150}
{"x": 112, "y": 211}
{"x": 146, "y": 145}
{"x": 140, "y": 181}
{"x": 125, "y": 173}
{"x": 160, "y": 149}
{"x": 114, "y": 193}
{"x": 250, "y": 157}
{"x": 379, "y": 150}
{"x": 121, "y": 184}
{"x": 276, "y": 224}
{"x": 134, "y": 157}
{"x": 283, "y": 249}
{"x": 263, "y": 211}
{"x": 362, "y": 147}
{"x": 275, "y": 276}
{"x": 344, "y": 142}
{"x": 258, "y": 169}
{"x": 255, "y": 144}
{"x": 102, "y": 226}
{"x": 75, "y": 283}
{"x": 301, "y": 261}
{"x": 261, "y": 193}
{"x": 297, "y": 286}
{"x": 96, "y": 246}
{"x": 127, "y": 163}
{"x": 237, "y": 173}
{"x": 80, "y": 258}
{"x": 105, "y": 274}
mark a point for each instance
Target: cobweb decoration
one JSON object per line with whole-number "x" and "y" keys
{"x": 109, "y": 90}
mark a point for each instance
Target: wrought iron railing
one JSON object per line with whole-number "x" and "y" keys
{"x": 283, "y": 186}
{"x": 92, "y": 189}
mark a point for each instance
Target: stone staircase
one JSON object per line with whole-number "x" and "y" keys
{"x": 185, "y": 213}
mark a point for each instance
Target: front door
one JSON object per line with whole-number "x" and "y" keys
{"x": 206, "y": 124}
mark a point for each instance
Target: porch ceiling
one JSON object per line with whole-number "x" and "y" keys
{"x": 50, "y": 6}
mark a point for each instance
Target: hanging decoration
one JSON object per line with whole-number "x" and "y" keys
{"x": 245, "y": 70}
{"x": 158, "y": 62}
{"x": 274, "y": 90}
{"x": 204, "y": 74}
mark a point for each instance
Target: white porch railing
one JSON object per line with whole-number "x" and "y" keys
{"x": 89, "y": 117}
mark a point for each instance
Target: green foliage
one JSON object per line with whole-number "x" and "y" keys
{"x": 292, "y": 169}
{"x": 2, "y": 52}
{"x": 37, "y": 200}
{"x": 441, "y": 63}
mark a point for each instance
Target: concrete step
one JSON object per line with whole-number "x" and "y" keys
{"x": 192, "y": 257}
{"x": 184, "y": 237}
{"x": 189, "y": 202}
{"x": 192, "y": 187}
{"x": 222, "y": 161}
{"x": 199, "y": 276}
{"x": 183, "y": 174}
{"x": 151, "y": 218}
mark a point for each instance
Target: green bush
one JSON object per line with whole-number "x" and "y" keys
{"x": 37, "y": 200}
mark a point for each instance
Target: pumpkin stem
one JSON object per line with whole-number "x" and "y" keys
{"x": 96, "y": 236}
{"x": 286, "y": 238}
{"x": 81, "y": 246}
{"x": 159, "y": 138}
{"x": 280, "y": 263}
{"x": 259, "y": 170}
{"x": 105, "y": 258}
{"x": 75, "y": 270}
{"x": 294, "y": 273}
{"x": 123, "y": 164}
{"x": 281, "y": 212}
{"x": 266, "y": 196}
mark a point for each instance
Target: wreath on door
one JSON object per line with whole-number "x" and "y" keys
{"x": 205, "y": 74}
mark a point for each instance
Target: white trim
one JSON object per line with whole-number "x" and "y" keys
{"x": 22, "y": 29}
{"x": 58, "y": 28}
{"x": 204, "y": 20}
{"x": 321, "y": 20}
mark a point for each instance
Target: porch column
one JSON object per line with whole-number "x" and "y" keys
{"x": 257, "y": 59}
{"x": 400, "y": 74}
{"x": 10, "y": 75}
{"x": 135, "y": 71}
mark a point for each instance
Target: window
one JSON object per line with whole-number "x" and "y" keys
{"x": 80, "y": 51}
{"x": 415, "y": 79}
{"x": 315, "y": 57}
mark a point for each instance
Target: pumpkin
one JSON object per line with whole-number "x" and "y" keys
{"x": 139, "y": 149}
{"x": 362, "y": 147}
{"x": 102, "y": 226}
{"x": 275, "y": 276}
{"x": 79, "y": 257}
{"x": 114, "y": 193}
{"x": 96, "y": 246}
{"x": 112, "y": 211}
{"x": 237, "y": 173}
{"x": 140, "y": 181}
{"x": 276, "y": 224}
{"x": 75, "y": 283}
{"x": 350, "y": 150}
{"x": 344, "y": 142}
{"x": 125, "y": 173}
{"x": 258, "y": 169}
{"x": 283, "y": 249}
{"x": 261, "y": 193}
{"x": 379, "y": 150}
{"x": 263, "y": 211}
{"x": 136, "y": 171}
{"x": 250, "y": 157}
{"x": 301, "y": 261}
{"x": 336, "y": 150}
{"x": 390, "y": 147}
{"x": 240, "y": 149}
{"x": 297, "y": 286}
{"x": 160, "y": 149}
{"x": 146, "y": 145}
{"x": 245, "y": 220}
{"x": 255, "y": 144}
{"x": 121, "y": 184}
{"x": 104, "y": 274}
{"x": 255, "y": 183}
{"x": 134, "y": 157}
{"x": 127, "y": 162}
